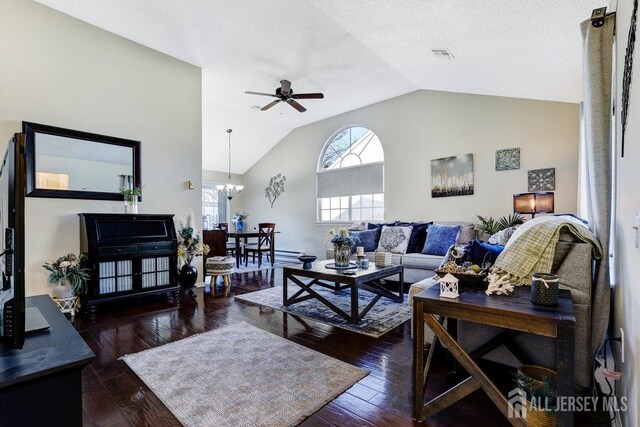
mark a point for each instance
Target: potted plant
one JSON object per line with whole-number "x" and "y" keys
{"x": 68, "y": 275}
{"x": 239, "y": 217}
{"x": 491, "y": 226}
{"x": 342, "y": 244}
{"x": 131, "y": 195}
{"x": 189, "y": 247}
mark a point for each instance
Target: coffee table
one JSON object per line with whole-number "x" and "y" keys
{"x": 367, "y": 279}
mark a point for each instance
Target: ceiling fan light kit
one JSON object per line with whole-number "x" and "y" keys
{"x": 285, "y": 94}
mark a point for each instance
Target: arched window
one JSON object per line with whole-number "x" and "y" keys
{"x": 350, "y": 177}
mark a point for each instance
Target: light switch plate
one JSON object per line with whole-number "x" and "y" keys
{"x": 192, "y": 186}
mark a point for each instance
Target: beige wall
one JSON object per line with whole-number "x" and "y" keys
{"x": 626, "y": 303}
{"x": 414, "y": 129}
{"x": 60, "y": 71}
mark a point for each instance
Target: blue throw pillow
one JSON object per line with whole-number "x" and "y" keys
{"x": 440, "y": 238}
{"x": 368, "y": 238}
{"x": 476, "y": 252}
{"x": 418, "y": 235}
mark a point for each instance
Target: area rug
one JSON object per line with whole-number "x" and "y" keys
{"x": 240, "y": 375}
{"x": 383, "y": 317}
{"x": 264, "y": 266}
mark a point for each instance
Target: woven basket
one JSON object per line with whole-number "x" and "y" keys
{"x": 538, "y": 418}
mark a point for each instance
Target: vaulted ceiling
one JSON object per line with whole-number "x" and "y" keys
{"x": 357, "y": 52}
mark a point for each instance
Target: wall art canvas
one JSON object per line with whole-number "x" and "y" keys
{"x": 508, "y": 159}
{"x": 542, "y": 180}
{"x": 452, "y": 176}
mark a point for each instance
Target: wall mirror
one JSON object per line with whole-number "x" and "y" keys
{"x": 71, "y": 164}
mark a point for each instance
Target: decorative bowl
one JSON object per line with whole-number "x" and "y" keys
{"x": 307, "y": 260}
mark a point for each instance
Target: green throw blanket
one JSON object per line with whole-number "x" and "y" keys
{"x": 531, "y": 249}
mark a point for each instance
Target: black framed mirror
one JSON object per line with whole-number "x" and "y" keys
{"x": 71, "y": 164}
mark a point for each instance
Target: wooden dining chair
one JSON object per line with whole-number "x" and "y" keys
{"x": 266, "y": 233}
{"x": 231, "y": 245}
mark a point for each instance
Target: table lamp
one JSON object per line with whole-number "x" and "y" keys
{"x": 533, "y": 203}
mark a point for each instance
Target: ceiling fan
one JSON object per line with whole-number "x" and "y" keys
{"x": 285, "y": 94}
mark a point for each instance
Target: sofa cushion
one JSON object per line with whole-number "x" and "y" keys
{"x": 478, "y": 252}
{"x": 418, "y": 235}
{"x": 422, "y": 261}
{"x": 440, "y": 238}
{"x": 467, "y": 230}
{"x": 394, "y": 239}
{"x": 368, "y": 239}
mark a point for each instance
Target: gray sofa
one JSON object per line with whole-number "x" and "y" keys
{"x": 574, "y": 266}
{"x": 418, "y": 266}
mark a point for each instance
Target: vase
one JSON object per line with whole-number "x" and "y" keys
{"x": 63, "y": 290}
{"x": 188, "y": 276}
{"x": 341, "y": 255}
{"x": 131, "y": 206}
{"x": 240, "y": 226}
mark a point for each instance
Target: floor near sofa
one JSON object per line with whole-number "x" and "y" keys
{"x": 113, "y": 395}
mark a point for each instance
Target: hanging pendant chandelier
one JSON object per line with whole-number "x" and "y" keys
{"x": 229, "y": 190}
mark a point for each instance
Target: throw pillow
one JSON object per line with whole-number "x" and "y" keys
{"x": 440, "y": 238}
{"x": 418, "y": 235}
{"x": 357, "y": 226}
{"x": 479, "y": 252}
{"x": 394, "y": 239}
{"x": 502, "y": 237}
{"x": 368, "y": 238}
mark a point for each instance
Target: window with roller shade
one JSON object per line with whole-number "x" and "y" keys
{"x": 350, "y": 177}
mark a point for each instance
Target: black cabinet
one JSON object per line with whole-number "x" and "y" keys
{"x": 129, "y": 256}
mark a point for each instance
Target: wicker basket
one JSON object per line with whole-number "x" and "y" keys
{"x": 535, "y": 417}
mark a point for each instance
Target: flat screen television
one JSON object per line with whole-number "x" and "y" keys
{"x": 12, "y": 294}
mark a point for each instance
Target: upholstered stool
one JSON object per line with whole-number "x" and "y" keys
{"x": 220, "y": 266}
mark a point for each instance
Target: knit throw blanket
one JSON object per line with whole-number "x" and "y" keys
{"x": 531, "y": 249}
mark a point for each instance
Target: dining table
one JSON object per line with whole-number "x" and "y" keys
{"x": 247, "y": 235}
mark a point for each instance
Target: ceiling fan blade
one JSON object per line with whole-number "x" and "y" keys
{"x": 297, "y": 106}
{"x": 248, "y": 92}
{"x": 269, "y": 105}
{"x": 285, "y": 86}
{"x": 307, "y": 96}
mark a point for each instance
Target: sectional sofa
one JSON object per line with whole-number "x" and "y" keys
{"x": 418, "y": 266}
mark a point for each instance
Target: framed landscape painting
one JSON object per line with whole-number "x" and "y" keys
{"x": 452, "y": 176}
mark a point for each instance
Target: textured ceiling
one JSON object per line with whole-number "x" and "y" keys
{"x": 357, "y": 52}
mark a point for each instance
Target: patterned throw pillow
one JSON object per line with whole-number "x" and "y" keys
{"x": 394, "y": 239}
{"x": 440, "y": 238}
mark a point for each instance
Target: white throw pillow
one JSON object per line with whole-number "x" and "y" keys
{"x": 394, "y": 239}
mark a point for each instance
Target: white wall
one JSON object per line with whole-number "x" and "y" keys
{"x": 60, "y": 71}
{"x": 414, "y": 129}
{"x": 626, "y": 303}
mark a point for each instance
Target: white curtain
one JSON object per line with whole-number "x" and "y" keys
{"x": 596, "y": 160}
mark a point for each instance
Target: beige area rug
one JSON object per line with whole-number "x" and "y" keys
{"x": 240, "y": 375}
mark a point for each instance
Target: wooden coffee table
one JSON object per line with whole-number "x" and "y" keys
{"x": 367, "y": 279}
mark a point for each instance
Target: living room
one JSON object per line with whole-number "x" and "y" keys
{"x": 173, "y": 77}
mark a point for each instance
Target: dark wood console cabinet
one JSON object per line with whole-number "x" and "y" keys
{"x": 129, "y": 255}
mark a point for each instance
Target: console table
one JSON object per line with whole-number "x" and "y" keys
{"x": 514, "y": 312}
{"x": 41, "y": 385}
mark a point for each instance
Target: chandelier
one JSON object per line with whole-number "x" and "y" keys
{"x": 229, "y": 190}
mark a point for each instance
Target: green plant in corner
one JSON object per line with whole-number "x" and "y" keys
{"x": 490, "y": 226}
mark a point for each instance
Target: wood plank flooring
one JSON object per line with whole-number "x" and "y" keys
{"x": 114, "y": 396}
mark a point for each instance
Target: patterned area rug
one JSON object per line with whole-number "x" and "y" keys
{"x": 240, "y": 375}
{"x": 264, "y": 266}
{"x": 383, "y": 317}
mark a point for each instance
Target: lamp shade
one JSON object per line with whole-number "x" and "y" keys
{"x": 533, "y": 203}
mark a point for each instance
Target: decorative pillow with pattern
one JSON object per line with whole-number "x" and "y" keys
{"x": 394, "y": 239}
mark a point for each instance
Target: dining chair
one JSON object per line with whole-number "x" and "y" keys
{"x": 266, "y": 233}
{"x": 231, "y": 245}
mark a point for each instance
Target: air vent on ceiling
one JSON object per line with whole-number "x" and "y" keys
{"x": 442, "y": 53}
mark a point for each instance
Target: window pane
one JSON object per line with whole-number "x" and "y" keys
{"x": 367, "y": 201}
{"x": 367, "y": 215}
{"x": 325, "y": 215}
{"x": 344, "y": 215}
{"x": 335, "y": 203}
{"x": 378, "y": 213}
{"x": 356, "y": 215}
{"x": 355, "y": 201}
{"x": 335, "y": 214}
{"x": 378, "y": 200}
{"x": 325, "y": 203}
{"x": 345, "y": 202}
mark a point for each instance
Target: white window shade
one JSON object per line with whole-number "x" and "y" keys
{"x": 366, "y": 179}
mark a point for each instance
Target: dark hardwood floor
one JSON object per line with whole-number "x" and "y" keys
{"x": 114, "y": 396}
